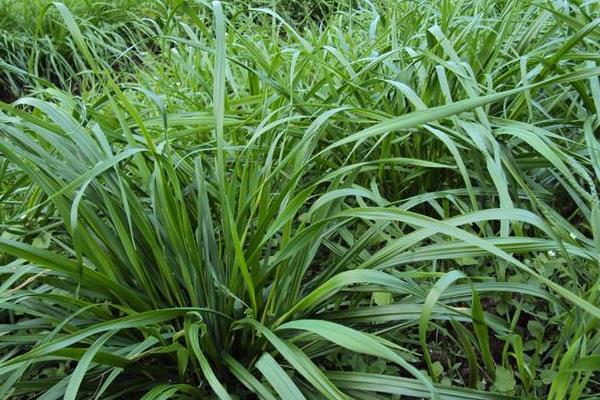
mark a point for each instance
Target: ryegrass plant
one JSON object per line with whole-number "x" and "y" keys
{"x": 386, "y": 200}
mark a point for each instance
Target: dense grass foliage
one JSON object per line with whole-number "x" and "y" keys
{"x": 300, "y": 200}
{"x": 36, "y": 48}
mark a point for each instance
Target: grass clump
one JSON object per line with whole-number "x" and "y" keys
{"x": 379, "y": 200}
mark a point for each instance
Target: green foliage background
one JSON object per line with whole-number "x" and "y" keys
{"x": 299, "y": 200}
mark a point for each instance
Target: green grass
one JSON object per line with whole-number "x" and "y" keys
{"x": 305, "y": 200}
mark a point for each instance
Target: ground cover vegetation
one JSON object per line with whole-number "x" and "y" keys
{"x": 299, "y": 200}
